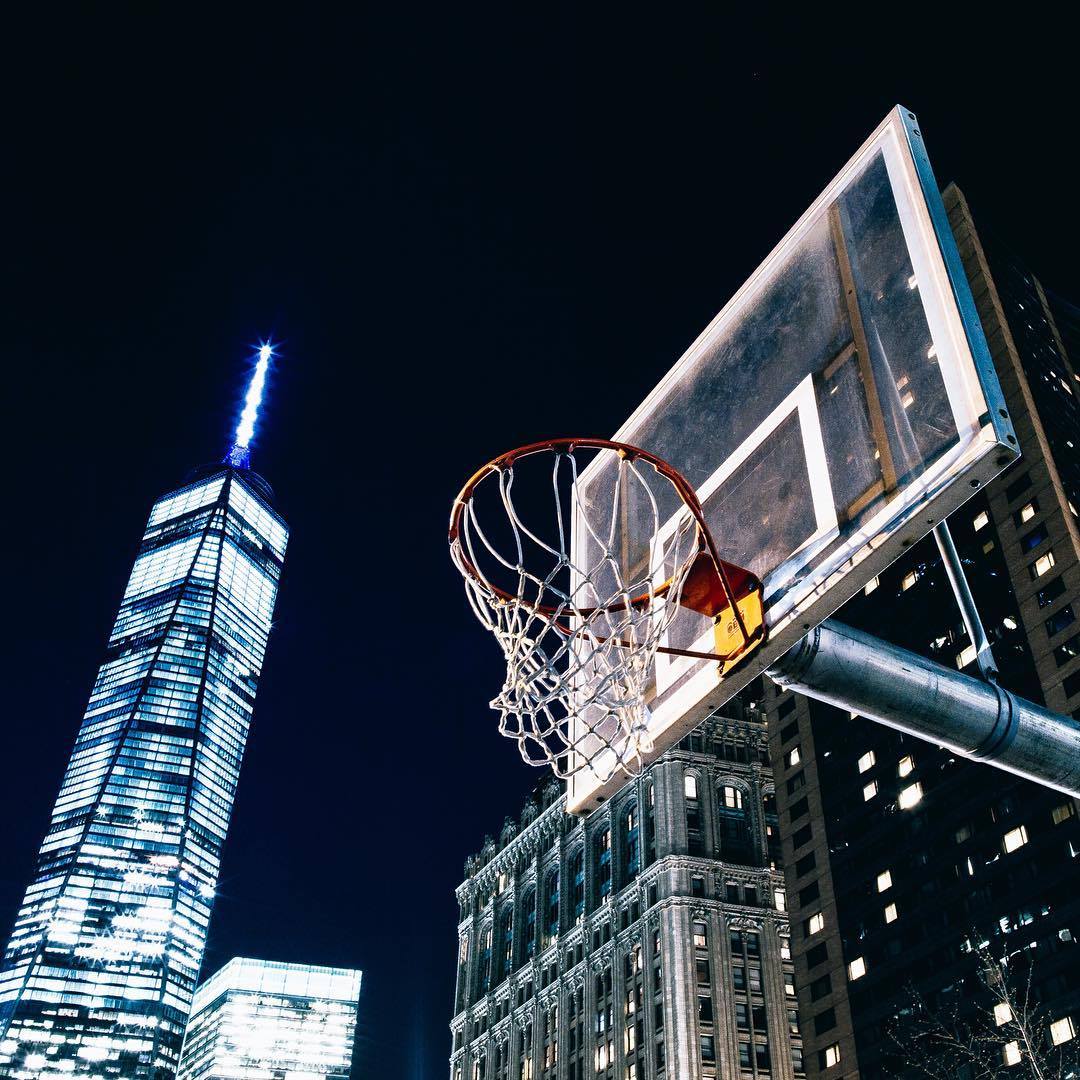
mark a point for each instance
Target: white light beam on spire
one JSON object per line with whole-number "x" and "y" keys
{"x": 246, "y": 428}
{"x": 239, "y": 455}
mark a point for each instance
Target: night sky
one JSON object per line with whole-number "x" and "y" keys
{"x": 465, "y": 232}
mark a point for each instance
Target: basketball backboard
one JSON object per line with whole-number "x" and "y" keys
{"x": 840, "y": 405}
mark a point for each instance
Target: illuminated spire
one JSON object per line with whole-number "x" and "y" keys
{"x": 240, "y": 454}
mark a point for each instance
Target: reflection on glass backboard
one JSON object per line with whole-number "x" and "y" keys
{"x": 838, "y": 407}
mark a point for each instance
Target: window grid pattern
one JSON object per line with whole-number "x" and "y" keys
{"x": 99, "y": 972}
{"x": 254, "y": 1019}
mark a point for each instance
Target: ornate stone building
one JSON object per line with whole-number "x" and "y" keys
{"x": 647, "y": 940}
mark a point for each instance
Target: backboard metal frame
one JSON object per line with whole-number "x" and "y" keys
{"x": 974, "y": 395}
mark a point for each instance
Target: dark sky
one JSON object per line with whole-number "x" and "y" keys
{"x": 466, "y": 231}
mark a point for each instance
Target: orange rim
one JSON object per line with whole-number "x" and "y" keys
{"x": 716, "y": 572}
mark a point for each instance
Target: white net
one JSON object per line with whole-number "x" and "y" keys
{"x": 579, "y": 637}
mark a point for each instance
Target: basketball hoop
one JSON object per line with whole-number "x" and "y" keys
{"x": 580, "y": 631}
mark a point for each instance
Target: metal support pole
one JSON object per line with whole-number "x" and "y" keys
{"x": 979, "y": 720}
{"x": 954, "y": 568}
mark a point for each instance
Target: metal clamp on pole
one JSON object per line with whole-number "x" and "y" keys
{"x": 978, "y": 720}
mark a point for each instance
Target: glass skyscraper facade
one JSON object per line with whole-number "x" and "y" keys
{"x": 99, "y": 974}
{"x": 254, "y": 1020}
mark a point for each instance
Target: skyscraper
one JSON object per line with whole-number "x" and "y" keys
{"x": 905, "y": 864}
{"x": 255, "y": 1018}
{"x": 646, "y": 940}
{"x": 100, "y": 970}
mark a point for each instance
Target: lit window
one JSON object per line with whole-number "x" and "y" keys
{"x": 780, "y": 899}
{"x": 1009, "y": 622}
{"x": 793, "y": 757}
{"x": 891, "y": 914}
{"x": 1027, "y": 512}
{"x": 966, "y": 656}
{"x": 856, "y": 969}
{"x": 867, "y": 761}
{"x": 910, "y": 796}
{"x": 909, "y": 579}
{"x": 871, "y": 585}
{"x": 1061, "y": 1031}
{"x": 982, "y": 519}
{"x": 884, "y": 880}
{"x": 869, "y": 791}
{"x": 1063, "y": 812}
{"x": 815, "y": 923}
{"x": 905, "y": 766}
{"x": 1011, "y": 1053}
{"x": 1002, "y": 1013}
{"x": 1043, "y": 564}
{"x": 831, "y": 1055}
{"x": 733, "y": 798}
{"x": 1015, "y": 838}
{"x": 690, "y": 786}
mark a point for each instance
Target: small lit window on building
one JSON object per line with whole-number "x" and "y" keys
{"x": 780, "y": 899}
{"x": 867, "y": 761}
{"x": 690, "y": 786}
{"x": 1011, "y": 1053}
{"x": 884, "y": 881}
{"x": 1014, "y": 838}
{"x": 830, "y": 1056}
{"x": 701, "y": 935}
{"x": 988, "y": 547}
{"x": 733, "y": 798}
{"x": 871, "y": 585}
{"x": 1002, "y": 1013}
{"x": 1063, "y": 812}
{"x": 905, "y": 766}
{"x": 1043, "y": 564}
{"x": 982, "y": 519}
{"x": 1027, "y": 512}
{"x": 891, "y": 914}
{"x": 966, "y": 656}
{"x": 857, "y": 968}
{"x": 815, "y": 923}
{"x": 1009, "y": 622}
{"x": 910, "y": 796}
{"x": 909, "y": 579}
{"x": 869, "y": 791}
{"x": 793, "y": 757}
{"x": 1061, "y": 1031}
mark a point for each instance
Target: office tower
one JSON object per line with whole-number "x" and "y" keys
{"x": 256, "y": 1019}
{"x": 646, "y": 940}
{"x": 100, "y": 969}
{"x": 904, "y": 864}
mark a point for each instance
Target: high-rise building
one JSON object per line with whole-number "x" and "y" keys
{"x": 904, "y": 864}
{"x": 100, "y": 970}
{"x": 647, "y": 940}
{"x": 256, "y": 1019}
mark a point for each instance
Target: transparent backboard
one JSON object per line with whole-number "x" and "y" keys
{"x": 838, "y": 407}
